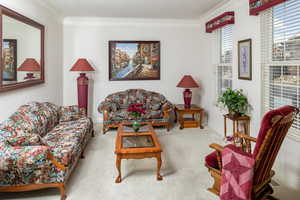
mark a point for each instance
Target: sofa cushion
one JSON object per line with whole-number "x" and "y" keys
{"x": 24, "y": 140}
{"x": 120, "y": 114}
{"x": 66, "y": 139}
{"x": 70, "y": 113}
{"x": 16, "y": 136}
{"x": 37, "y": 118}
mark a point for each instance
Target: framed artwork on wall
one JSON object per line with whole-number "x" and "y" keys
{"x": 9, "y": 60}
{"x": 134, "y": 60}
{"x": 245, "y": 59}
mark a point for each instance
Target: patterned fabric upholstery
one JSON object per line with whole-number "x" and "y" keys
{"x": 237, "y": 174}
{"x": 70, "y": 113}
{"x": 117, "y": 103}
{"x": 66, "y": 138}
{"x": 33, "y": 133}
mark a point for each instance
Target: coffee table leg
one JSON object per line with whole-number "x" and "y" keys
{"x": 118, "y": 165}
{"x": 159, "y": 177}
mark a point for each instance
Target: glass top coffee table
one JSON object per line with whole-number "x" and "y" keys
{"x": 140, "y": 145}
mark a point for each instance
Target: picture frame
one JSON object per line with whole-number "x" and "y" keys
{"x": 245, "y": 59}
{"x": 134, "y": 60}
{"x": 9, "y": 60}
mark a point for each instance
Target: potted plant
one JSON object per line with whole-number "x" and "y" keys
{"x": 136, "y": 111}
{"x": 235, "y": 101}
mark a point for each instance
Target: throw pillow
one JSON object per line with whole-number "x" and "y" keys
{"x": 24, "y": 140}
{"x": 70, "y": 113}
{"x": 16, "y": 136}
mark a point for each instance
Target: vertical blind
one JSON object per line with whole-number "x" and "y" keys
{"x": 224, "y": 66}
{"x": 280, "y": 28}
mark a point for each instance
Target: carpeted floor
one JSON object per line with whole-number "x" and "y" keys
{"x": 185, "y": 177}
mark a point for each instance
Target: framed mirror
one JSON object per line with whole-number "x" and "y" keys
{"x": 22, "y": 50}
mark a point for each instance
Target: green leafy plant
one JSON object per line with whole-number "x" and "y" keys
{"x": 235, "y": 101}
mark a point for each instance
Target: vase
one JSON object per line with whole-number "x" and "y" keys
{"x": 234, "y": 114}
{"x": 136, "y": 126}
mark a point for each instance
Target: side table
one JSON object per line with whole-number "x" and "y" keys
{"x": 235, "y": 124}
{"x": 189, "y": 122}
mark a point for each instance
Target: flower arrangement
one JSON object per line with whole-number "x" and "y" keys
{"x": 136, "y": 110}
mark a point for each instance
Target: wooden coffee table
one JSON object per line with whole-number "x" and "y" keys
{"x": 130, "y": 145}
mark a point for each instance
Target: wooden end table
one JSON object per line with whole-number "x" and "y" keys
{"x": 189, "y": 122}
{"x": 235, "y": 124}
{"x": 131, "y": 145}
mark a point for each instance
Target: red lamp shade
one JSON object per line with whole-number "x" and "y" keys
{"x": 187, "y": 82}
{"x": 82, "y": 65}
{"x": 30, "y": 65}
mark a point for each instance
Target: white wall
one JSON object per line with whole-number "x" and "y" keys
{"x": 180, "y": 47}
{"x": 288, "y": 162}
{"x": 52, "y": 89}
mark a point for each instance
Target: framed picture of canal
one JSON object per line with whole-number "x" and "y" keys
{"x": 134, "y": 60}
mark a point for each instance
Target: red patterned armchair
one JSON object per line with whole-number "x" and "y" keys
{"x": 274, "y": 128}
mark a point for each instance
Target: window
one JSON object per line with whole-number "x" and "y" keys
{"x": 224, "y": 66}
{"x": 280, "y": 28}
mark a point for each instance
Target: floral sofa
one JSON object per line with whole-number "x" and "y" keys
{"x": 114, "y": 108}
{"x": 39, "y": 146}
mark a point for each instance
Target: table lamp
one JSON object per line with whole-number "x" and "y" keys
{"x": 82, "y": 65}
{"x": 187, "y": 82}
{"x": 30, "y": 65}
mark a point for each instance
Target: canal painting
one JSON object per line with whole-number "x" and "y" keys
{"x": 134, "y": 60}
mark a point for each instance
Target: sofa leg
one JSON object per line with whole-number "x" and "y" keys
{"x": 93, "y": 133}
{"x": 104, "y": 130}
{"x": 168, "y": 127}
{"x": 62, "y": 190}
{"x": 82, "y": 155}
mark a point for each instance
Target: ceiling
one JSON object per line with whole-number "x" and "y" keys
{"x": 166, "y": 9}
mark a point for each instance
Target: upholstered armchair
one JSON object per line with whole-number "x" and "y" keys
{"x": 273, "y": 130}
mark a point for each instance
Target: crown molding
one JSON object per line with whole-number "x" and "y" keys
{"x": 128, "y": 21}
{"x": 54, "y": 11}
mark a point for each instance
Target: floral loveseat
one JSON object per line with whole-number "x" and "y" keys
{"x": 114, "y": 108}
{"x": 40, "y": 145}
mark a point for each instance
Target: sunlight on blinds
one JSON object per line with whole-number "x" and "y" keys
{"x": 280, "y": 28}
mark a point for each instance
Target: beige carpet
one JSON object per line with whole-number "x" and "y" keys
{"x": 185, "y": 177}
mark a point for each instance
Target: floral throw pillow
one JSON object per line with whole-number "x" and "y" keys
{"x": 71, "y": 113}
{"x": 17, "y": 136}
{"x": 24, "y": 140}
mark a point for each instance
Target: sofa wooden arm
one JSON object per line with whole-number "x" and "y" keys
{"x": 105, "y": 115}
{"x": 56, "y": 163}
{"x": 166, "y": 113}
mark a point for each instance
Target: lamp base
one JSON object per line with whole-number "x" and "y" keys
{"x": 82, "y": 91}
{"x": 29, "y": 76}
{"x": 187, "y": 97}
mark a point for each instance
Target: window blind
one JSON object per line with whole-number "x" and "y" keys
{"x": 280, "y": 28}
{"x": 224, "y": 66}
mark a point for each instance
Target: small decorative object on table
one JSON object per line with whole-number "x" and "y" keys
{"x": 187, "y": 82}
{"x": 136, "y": 110}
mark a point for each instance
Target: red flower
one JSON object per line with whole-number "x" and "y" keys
{"x": 136, "y": 110}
